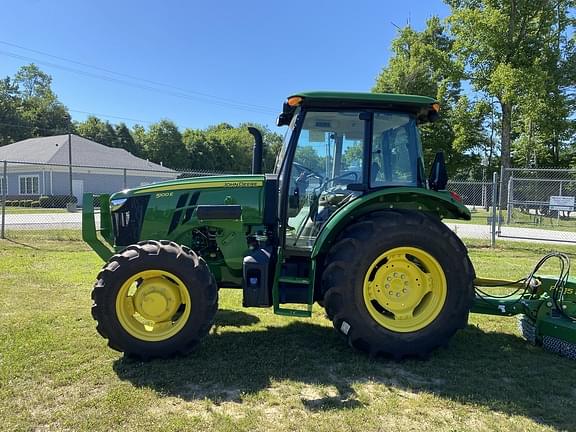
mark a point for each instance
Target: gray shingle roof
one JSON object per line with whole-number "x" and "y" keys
{"x": 54, "y": 150}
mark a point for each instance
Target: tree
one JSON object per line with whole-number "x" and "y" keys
{"x": 97, "y": 130}
{"x": 507, "y": 50}
{"x": 226, "y": 148}
{"x": 163, "y": 144}
{"x": 11, "y": 123}
{"x": 41, "y": 110}
{"x": 422, "y": 63}
{"x": 34, "y": 83}
{"x": 125, "y": 140}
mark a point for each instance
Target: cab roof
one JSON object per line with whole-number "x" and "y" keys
{"x": 425, "y": 108}
{"x": 368, "y": 98}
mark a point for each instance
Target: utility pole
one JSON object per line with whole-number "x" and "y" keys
{"x": 70, "y": 164}
{"x": 4, "y": 196}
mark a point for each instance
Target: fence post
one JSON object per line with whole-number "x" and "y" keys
{"x": 4, "y": 194}
{"x": 125, "y": 180}
{"x": 500, "y": 195}
{"x": 509, "y": 199}
{"x": 494, "y": 197}
{"x": 70, "y": 166}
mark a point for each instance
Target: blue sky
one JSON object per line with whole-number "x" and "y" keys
{"x": 228, "y": 61}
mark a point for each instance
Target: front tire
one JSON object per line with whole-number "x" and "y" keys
{"x": 154, "y": 299}
{"x": 398, "y": 283}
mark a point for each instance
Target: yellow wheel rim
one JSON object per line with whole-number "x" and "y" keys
{"x": 404, "y": 289}
{"x": 153, "y": 305}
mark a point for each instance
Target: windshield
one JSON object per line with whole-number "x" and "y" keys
{"x": 280, "y": 157}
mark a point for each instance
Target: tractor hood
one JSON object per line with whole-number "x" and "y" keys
{"x": 228, "y": 182}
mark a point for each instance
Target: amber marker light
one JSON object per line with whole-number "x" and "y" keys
{"x": 436, "y": 106}
{"x": 294, "y": 100}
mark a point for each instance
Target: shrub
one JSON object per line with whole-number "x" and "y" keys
{"x": 56, "y": 201}
{"x": 35, "y": 204}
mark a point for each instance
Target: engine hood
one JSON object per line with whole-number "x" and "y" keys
{"x": 225, "y": 182}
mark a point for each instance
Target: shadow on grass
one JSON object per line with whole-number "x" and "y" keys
{"x": 22, "y": 244}
{"x": 232, "y": 318}
{"x": 499, "y": 371}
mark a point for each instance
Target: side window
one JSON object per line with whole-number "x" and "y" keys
{"x": 395, "y": 150}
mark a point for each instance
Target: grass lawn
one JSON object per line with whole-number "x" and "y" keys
{"x": 257, "y": 371}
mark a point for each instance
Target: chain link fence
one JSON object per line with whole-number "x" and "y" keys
{"x": 538, "y": 204}
{"x": 481, "y": 198}
{"x": 43, "y": 200}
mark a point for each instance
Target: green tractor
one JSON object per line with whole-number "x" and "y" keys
{"x": 348, "y": 220}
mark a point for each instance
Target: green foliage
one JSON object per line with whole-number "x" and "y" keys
{"x": 125, "y": 140}
{"x": 518, "y": 52}
{"x": 353, "y": 156}
{"x": 227, "y": 148}
{"x": 97, "y": 130}
{"x": 423, "y": 63}
{"x": 56, "y": 201}
{"x": 163, "y": 144}
{"x": 29, "y": 108}
{"x": 308, "y": 157}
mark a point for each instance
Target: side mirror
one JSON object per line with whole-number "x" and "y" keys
{"x": 438, "y": 176}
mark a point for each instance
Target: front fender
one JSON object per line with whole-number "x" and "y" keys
{"x": 440, "y": 203}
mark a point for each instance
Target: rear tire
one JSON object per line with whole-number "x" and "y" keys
{"x": 154, "y": 299}
{"x": 398, "y": 283}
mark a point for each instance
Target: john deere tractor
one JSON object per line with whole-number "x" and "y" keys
{"x": 348, "y": 219}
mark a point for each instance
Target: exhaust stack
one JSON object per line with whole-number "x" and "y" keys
{"x": 258, "y": 150}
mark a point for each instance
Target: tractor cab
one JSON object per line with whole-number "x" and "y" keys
{"x": 341, "y": 146}
{"x": 346, "y": 155}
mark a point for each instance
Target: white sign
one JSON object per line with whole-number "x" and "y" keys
{"x": 562, "y": 203}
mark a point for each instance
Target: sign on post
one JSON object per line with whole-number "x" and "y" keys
{"x": 562, "y": 203}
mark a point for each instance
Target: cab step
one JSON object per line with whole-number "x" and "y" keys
{"x": 285, "y": 286}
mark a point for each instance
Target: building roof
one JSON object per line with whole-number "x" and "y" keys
{"x": 54, "y": 150}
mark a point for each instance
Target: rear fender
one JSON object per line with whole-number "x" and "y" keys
{"x": 438, "y": 203}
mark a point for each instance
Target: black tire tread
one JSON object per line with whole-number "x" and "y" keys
{"x": 352, "y": 242}
{"x": 193, "y": 269}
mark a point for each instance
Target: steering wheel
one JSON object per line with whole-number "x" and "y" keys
{"x": 310, "y": 171}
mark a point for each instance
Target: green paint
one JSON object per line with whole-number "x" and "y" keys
{"x": 538, "y": 306}
{"x": 366, "y": 98}
{"x": 89, "y": 234}
{"x": 172, "y": 213}
{"x": 439, "y": 203}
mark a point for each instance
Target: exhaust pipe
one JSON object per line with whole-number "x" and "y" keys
{"x": 258, "y": 150}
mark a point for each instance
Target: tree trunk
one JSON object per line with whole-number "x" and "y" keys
{"x": 505, "y": 149}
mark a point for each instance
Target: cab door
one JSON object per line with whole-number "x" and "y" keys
{"x": 326, "y": 158}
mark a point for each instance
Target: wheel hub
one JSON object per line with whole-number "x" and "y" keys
{"x": 157, "y": 299}
{"x": 398, "y": 286}
{"x": 153, "y": 305}
{"x": 404, "y": 289}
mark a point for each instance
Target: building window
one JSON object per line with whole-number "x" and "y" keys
{"x": 29, "y": 185}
